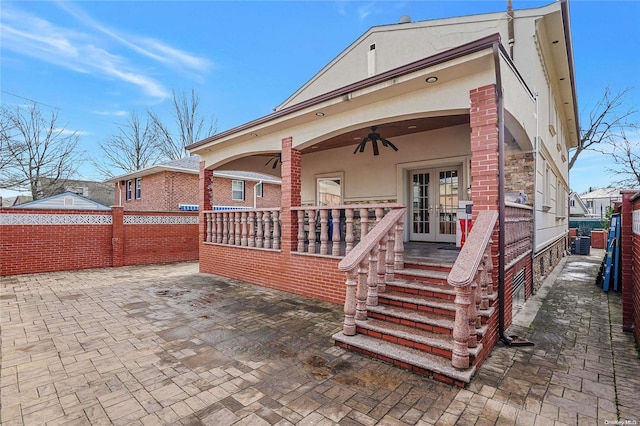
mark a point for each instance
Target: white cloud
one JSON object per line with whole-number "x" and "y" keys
{"x": 90, "y": 52}
{"x": 68, "y": 132}
{"x": 117, "y": 113}
{"x": 148, "y": 47}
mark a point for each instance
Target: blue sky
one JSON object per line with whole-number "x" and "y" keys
{"x": 96, "y": 61}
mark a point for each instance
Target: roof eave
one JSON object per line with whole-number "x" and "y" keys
{"x": 152, "y": 170}
{"x": 441, "y": 57}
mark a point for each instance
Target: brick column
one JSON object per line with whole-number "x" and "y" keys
{"x": 484, "y": 148}
{"x": 117, "y": 236}
{"x": 626, "y": 234}
{"x": 205, "y": 196}
{"x": 290, "y": 195}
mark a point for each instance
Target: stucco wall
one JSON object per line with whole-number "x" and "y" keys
{"x": 368, "y": 177}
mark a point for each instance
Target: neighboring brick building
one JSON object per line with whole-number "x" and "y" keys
{"x": 173, "y": 186}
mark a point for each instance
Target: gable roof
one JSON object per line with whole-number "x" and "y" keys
{"x": 63, "y": 201}
{"x": 554, "y": 16}
{"x": 190, "y": 165}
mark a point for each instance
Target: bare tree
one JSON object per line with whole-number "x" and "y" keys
{"x": 607, "y": 122}
{"x": 191, "y": 126}
{"x": 132, "y": 148}
{"x": 626, "y": 156}
{"x": 37, "y": 153}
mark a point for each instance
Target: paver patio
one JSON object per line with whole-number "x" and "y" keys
{"x": 164, "y": 344}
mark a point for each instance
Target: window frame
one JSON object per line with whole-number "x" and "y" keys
{"x": 233, "y": 190}
{"x": 127, "y": 190}
{"x": 336, "y": 176}
{"x": 138, "y": 188}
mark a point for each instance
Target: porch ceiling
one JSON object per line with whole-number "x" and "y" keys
{"x": 389, "y": 130}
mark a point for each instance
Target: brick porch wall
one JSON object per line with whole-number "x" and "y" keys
{"x": 159, "y": 243}
{"x": 42, "y": 247}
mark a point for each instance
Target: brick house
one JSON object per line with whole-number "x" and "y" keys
{"x": 382, "y": 153}
{"x": 173, "y": 186}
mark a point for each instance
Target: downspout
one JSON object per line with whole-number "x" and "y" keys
{"x": 507, "y": 340}
{"x": 255, "y": 196}
{"x": 119, "y": 194}
{"x": 535, "y": 191}
{"x": 501, "y": 203}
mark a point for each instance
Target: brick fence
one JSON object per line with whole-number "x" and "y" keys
{"x": 630, "y": 235}
{"x": 33, "y": 241}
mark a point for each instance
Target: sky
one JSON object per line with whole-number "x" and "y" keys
{"x": 95, "y": 62}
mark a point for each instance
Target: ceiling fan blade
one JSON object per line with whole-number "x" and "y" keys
{"x": 375, "y": 147}
{"x": 388, "y": 143}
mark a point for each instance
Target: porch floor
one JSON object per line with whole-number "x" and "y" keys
{"x": 433, "y": 254}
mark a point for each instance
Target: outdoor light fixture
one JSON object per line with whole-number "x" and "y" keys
{"x": 320, "y": 114}
{"x": 254, "y": 134}
{"x": 431, "y": 79}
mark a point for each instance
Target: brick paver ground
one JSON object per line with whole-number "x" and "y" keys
{"x": 164, "y": 344}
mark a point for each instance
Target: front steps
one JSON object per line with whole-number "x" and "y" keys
{"x": 411, "y": 326}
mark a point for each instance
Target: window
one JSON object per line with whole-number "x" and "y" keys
{"x": 546, "y": 185}
{"x": 259, "y": 190}
{"x": 237, "y": 190}
{"x": 127, "y": 190}
{"x": 138, "y": 188}
{"x": 329, "y": 191}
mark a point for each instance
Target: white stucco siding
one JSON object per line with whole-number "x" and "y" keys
{"x": 395, "y": 46}
{"x": 368, "y": 177}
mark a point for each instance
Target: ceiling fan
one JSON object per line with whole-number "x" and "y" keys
{"x": 374, "y": 137}
{"x": 277, "y": 159}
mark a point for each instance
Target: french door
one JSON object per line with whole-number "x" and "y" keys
{"x": 434, "y": 202}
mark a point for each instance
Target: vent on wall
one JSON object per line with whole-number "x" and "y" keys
{"x": 371, "y": 60}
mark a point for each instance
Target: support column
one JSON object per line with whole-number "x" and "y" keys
{"x": 484, "y": 148}
{"x": 204, "y": 196}
{"x": 290, "y": 194}
{"x": 117, "y": 236}
{"x": 483, "y": 115}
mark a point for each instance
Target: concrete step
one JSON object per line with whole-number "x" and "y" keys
{"x": 435, "y": 305}
{"x": 425, "y": 275}
{"x": 422, "y": 320}
{"x": 420, "y": 288}
{"x": 418, "y": 302}
{"x": 416, "y": 360}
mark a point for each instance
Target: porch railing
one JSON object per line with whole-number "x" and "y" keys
{"x": 260, "y": 228}
{"x": 370, "y": 265}
{"x": 335, "y": 230}
{"x": 518, "y": 232}
{"x": 471, "y": 278}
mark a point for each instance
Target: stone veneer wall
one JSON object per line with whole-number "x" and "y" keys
{"x": 547, "y": 260}
{"x": 520, "y": 170}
